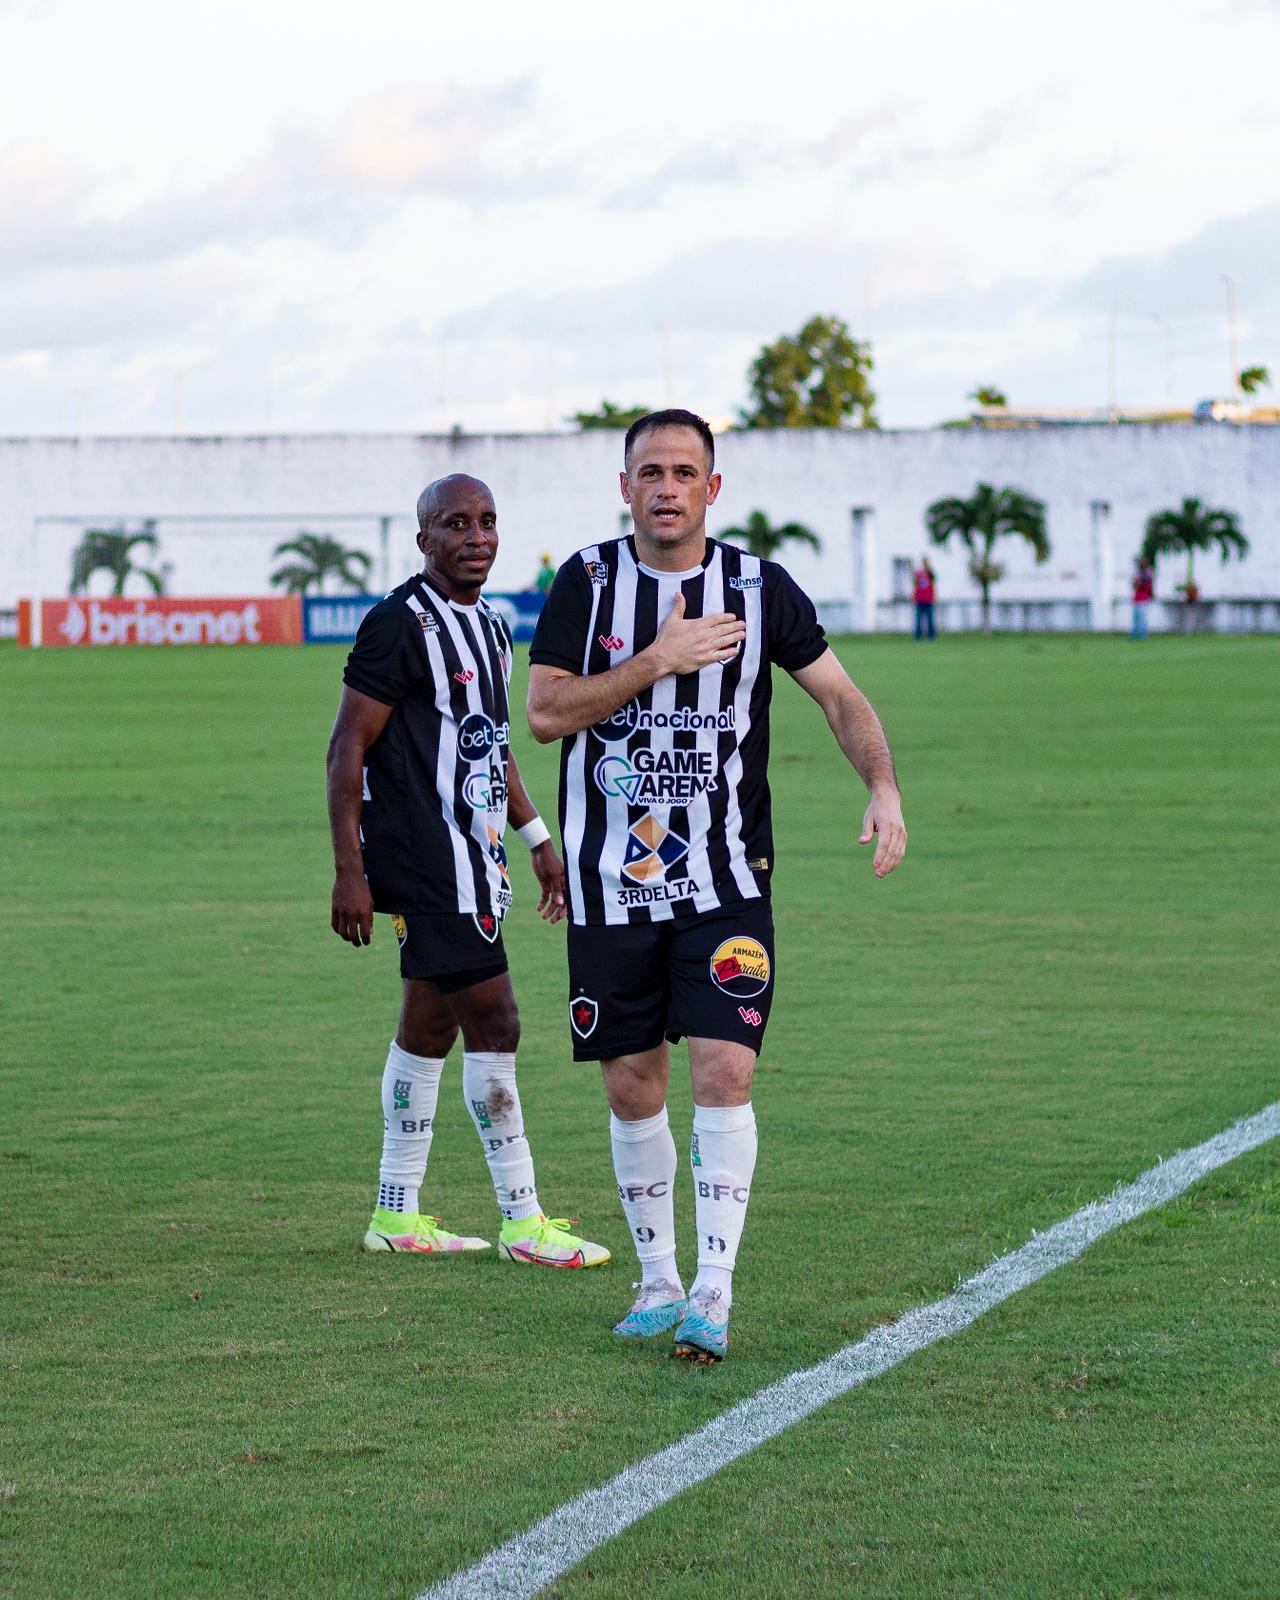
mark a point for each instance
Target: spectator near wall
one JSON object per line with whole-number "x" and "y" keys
{"x": 924, "y": 596}
{"x": 1144, "y": 590}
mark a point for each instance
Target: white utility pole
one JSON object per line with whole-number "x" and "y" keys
{"x": 864, "y": 567}
{"x": 1103, "y": 556}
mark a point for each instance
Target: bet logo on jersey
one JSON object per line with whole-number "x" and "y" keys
{"x": 477, "y": 735}
{"x": 740, "y": 967}
{"x": 651, "y": 850}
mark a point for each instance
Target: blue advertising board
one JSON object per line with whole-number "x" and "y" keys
{"x": 335, "y": 620}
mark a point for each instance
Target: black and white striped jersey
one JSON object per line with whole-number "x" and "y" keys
{"x": 664, "y": 806}
{"x": 435, "y": 795}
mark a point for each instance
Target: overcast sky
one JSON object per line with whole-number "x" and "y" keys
{"x": 390, "y": 216}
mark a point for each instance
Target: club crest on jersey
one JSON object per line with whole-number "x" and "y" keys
{"x": 651, "y": 850}
{"x": 598, "y": 572}
{"x": 746, "y": 583}
{"x": 583, "y": 1016}
{"x": 740, "y": 967}
{"x": 657, "y": 777}
{"x": 488, "y": 926}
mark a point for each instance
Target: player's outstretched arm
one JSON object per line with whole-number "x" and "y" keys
{"x": 360, "y": 721}
{"x": 563, "y": 703}
{"x": 547, "y": 866}
{"x": 860, "y": 736}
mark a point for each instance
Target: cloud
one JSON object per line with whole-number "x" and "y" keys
{"x": 1186, "y": 279}
{"x": 329, "y": 181}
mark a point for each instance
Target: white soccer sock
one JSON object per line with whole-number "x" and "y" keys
{"x": 723, "y": 1157}
{"x": 410, "y": 1087}
{"x": 644, "y": 1163}
{"x": 489, "y": 1088}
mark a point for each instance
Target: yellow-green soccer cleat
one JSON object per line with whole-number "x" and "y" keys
{"x": 546, "y": 1242}
{"x": 415, "y": 1233}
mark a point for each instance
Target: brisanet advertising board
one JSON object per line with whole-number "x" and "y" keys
{"x": 159, "y": 621}
{"x": 334, "y": 621}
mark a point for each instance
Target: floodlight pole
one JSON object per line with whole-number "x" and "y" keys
{"x": 384, "y": 546}
{"x": 1233, "y": 335}
{"x": 864, "y": 540}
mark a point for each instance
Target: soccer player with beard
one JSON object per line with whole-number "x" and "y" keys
{"x": 651, "y": 662}
{"x": 421, "y": 782}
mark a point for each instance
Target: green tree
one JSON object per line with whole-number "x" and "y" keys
{"x": 987, "y": 394}
{"x": 1189, "y": 528}
{"x": 818, "y": 379}
{"x": 609, "y": 416}
{"x": 320, "y": 558}
{"x": 987, "y": 516}
{"x": 1254, "y": 378}
{"x": 111, "y": 550}
{"x": 762, "y": 539}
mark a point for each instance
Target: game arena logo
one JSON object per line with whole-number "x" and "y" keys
{"x": 657, "y": 777}
{"x": 486, "y": 791}
{"x": 477, "y": 735}
{"x": 162, "y": 622}
{"x": 630, "y": 719}
{"x": 741, "y": 968}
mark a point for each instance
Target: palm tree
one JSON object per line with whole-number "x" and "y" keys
{"x": 987, "y": 515}
{"x": 764, "y": 540}
{"x": 109, "y": 550}
{"x": 322, "y": 557}
{"x": 1254, "y": 378}
{"x": 987, "y": 394}
{"x": 1190, "y": 528}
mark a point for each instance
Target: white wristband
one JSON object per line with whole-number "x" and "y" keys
{"x": 534, "y": 833}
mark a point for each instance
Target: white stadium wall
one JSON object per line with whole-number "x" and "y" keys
{"x": 557, "y": 492}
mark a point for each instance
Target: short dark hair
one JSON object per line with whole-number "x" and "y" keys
{"x": 674, "y": 418}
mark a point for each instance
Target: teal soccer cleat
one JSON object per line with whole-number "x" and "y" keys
{"x": 703, "y": 1334}
{"x": 657, "y": 1307}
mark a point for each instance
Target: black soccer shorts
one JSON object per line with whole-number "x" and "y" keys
{"x": 634, "y": 985}
{"x": 453, "y": 951}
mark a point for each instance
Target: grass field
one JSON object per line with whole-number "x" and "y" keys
{"x": 209, "y": 1391}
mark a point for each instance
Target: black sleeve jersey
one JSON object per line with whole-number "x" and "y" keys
{"x": 664, "y": 805}
{"x": 435, "y": 780}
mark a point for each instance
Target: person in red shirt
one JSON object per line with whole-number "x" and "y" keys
{"x": 924, "y": 591}
{"x": 1144, "y": 592}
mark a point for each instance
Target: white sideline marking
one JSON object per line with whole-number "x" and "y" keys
{"x": 518, "y": 1569}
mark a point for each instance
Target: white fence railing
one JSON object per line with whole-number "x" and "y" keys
{"x": 1249, "y": 615}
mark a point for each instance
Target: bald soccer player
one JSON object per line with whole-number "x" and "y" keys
{"x": 421, "y": 782}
